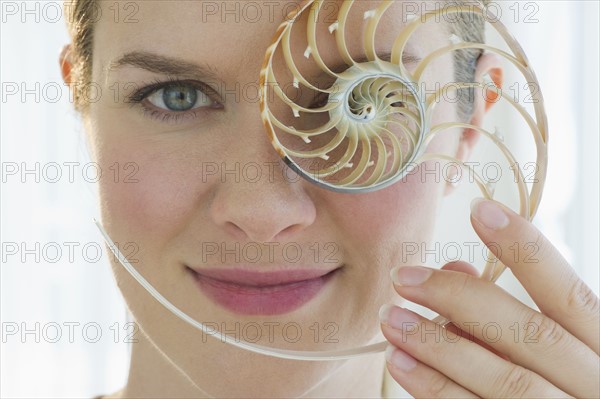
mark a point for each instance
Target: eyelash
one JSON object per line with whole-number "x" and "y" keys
{"x": 139, "y": 97}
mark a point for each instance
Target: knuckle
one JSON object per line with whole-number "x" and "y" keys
{"x": 438, "y": 386}
{"x": 543, "y": 330}
{"x": 515, "y": 383}
{"x": 581, "y": 299}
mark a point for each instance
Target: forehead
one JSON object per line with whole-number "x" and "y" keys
{"x": 232, "y": 36}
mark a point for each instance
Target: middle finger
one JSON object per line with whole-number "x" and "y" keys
{"x": 489, "y": 313}
{"x": 468, "y": 364}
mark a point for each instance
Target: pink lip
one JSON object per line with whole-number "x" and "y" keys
{"x": 250, "y": 292}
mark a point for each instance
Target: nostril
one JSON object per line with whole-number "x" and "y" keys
{"x": 234, "y": 231}
{"x": 288, "y": 232}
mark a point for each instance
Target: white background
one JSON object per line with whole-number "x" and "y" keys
{"x": 562, "y": 46}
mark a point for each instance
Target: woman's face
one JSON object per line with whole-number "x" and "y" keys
{"x": 203, "y": 189}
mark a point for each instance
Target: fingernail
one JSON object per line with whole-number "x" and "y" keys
{"x": 399, "y": 358}
{"x": 410, "y": 275}
{"x": 396, "y": 317}
{"x": 489, "y": 214}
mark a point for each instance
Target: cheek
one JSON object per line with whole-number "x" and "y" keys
{"x": 377, "y": 230}
{"x": 405, "y": 211}
{"x": 148, "y": 188}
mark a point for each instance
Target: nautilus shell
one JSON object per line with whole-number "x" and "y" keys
{"x": 373, "y": 124}
{"x": 377, "y": 122}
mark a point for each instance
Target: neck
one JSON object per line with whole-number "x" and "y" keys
{"x": 153, "y": 375}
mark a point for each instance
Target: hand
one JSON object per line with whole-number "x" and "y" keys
{"x": 522, "y": 352}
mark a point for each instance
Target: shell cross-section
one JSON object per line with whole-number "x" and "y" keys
{"x": 362, "y": 130}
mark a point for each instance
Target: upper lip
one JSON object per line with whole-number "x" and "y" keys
{"x": 247, "y": 277}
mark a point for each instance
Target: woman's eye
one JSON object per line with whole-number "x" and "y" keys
{"x": 179, "y": 98}
{"x": 175, "y": 101}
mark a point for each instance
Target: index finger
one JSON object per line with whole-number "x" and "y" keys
{"x": 544, "y": 273}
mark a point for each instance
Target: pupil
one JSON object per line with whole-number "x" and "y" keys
{"x": 179, "y": 98}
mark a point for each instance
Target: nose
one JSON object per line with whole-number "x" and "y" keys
{"x": 259, "y": 199}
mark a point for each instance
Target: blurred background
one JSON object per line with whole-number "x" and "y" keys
{"x": 64, "y": 324}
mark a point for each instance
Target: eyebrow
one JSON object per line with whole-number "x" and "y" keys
{"x": 164, "y": 65}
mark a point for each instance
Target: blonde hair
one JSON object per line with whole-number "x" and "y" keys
{"x": 80, "y": 24}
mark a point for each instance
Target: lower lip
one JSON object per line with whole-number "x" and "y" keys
{"x": 269, "y": 301}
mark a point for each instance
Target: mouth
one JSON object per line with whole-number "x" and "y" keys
{"x": 248, "y": 292}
